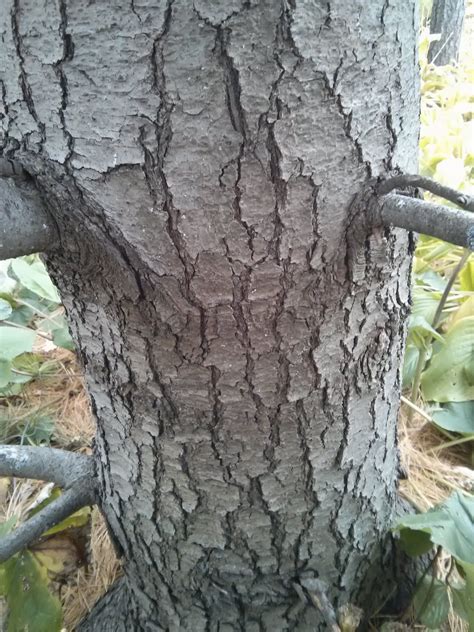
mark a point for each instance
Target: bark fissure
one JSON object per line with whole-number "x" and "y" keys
{"x": 231, "y": 305}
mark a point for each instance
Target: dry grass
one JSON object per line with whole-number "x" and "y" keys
{"x": 63, "y": 396}
{"x": 432, "y": 475}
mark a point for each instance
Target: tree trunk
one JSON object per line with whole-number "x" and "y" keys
{"x": 447, "y": 17}
{"x": 241, "y": 327}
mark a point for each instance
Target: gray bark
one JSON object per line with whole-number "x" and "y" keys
{"x": 447, "y": 17}
{"x": 240, "y": 324}
{"x": 25, "y": 226}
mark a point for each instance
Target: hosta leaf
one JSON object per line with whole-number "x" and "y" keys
{"x": 5, "y": 309}
{"x": 455, "y": 417}
{"x": 419, "y": 325}
{"x": 466, "y": 276}
{"x": 433, "y": 280}
{"x": 465, "y": 310}
{"x": 425, "y": 304}
{"x": 62, "y": 338}
{"x": 409, "y": 364}
{"x": 463, "y": 598}
{"x": 31, "y": 606}
{"x": 450, "y": 525}
{"x": 6, "y": 374}
{"x": 449, "y": 375}
{"x": 14, "y": 341}
{"x": 431, "y": 602}
{"x": 35, "y": 278}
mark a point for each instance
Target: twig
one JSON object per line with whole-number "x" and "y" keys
{"x": 462, "y": 200}
{"x": 443, "y": 222}
{"x": 417, "y": 409}
{"x": 315, "y": 591}
{"x": 71, "y": 500}
{"x": 63, "y": 468}
{"x": 74, "y": 472}
{"x": 449, "y": 444}
{"x": 25, "y": 226}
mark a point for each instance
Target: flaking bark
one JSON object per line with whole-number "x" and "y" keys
{"x": 241, "y": 328}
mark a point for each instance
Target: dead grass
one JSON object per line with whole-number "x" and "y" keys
{"x": 62, "y": 395}
{"x": 432, "y": 475}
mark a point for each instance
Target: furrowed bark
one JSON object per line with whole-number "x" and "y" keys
{"x": 447, "y": 17}
{"x": 25, "y": 225}
{"x": 74, "y": 472}
{"x": 240, "y": 329}
{"x": 115, "y": 612}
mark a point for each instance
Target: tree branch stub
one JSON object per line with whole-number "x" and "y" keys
{"x": 25, "y": 225}
{"x": 455, "y": 225}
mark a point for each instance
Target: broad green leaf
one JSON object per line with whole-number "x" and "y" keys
{"x": 78, "y": 519}
{"x": 62, "y": 338}
{"x": 449, "y": 375}
{"x": 6, "y": 374}
{"x": 5, "y": 527}
{"x": 455, "y": 417}
{"x": 466, "y": 277}
{"x": 409, "y": 364}
{"x": 14, "y": 341}
{"x": 463, "y": 598}
{"x": 31, "y": 606}
{"x": 414, "y": 542}
{"x": 465, "y": 310}
{"x": 5, "y": 309}
{"x": 11, "y": 390}
{"x": 425, "y": 303}
{"x": 431, "y": 602}
{"x": 433, "y": 280}
{"x": 450, "y": 525}
{"x": 420, "y": 325}
{"x": 35, "y": 278}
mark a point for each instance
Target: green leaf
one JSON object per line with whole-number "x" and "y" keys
{"x": 31, "y": 606}
{"x": 450, "y": 525}
{"x": 425, "y": 303}
{"x": 5, "y": 309}
{"x": 449, "y": 375}
{"x": 433, "y": 280}
{"x": 35, "y": 278}
{"x": 78, "y": 519}
{"x": 466, "y": 277}
{"x": 410, "y": 361}
{"x": 62, "y": 338}
{"x": 6, "y": 374}
{"x": 431, "y": 602}
{"x": 14, "y": 341}
{"x": 420, "y": 325}
{"x": 463, "y": 598}
{"x": 414, "y": 542}
{"x": 455, "y": 417}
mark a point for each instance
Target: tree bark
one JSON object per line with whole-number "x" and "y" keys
{"x": 240, "y": 325}
{"x": 447, "y": 17}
